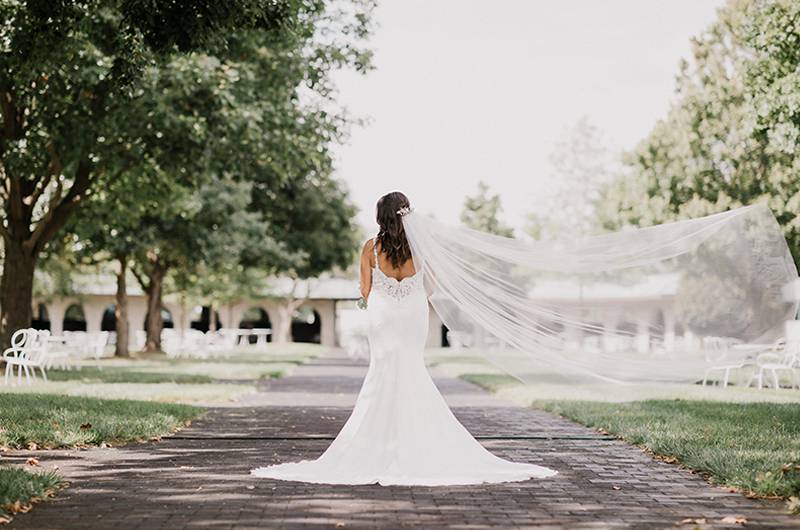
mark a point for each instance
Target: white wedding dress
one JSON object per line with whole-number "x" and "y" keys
{"x": 401, "y": 431}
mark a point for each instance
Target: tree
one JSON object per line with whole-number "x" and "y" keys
{"x": 68, "y": 70}
{"x": 109, "y": 227}
{"x": 314, "y": 218}
{"x": 238, "y": 117}
{"x": 482, "y": 212}
{"x": 731, "y": 137}
{"x": 266, "y": 119}
{"x": 209, "y": 227}
{"x": 582, "y": 166}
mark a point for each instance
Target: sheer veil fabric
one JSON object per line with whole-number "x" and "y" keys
{"x": 401, "y": 431}
{"x": 631, "y": 306}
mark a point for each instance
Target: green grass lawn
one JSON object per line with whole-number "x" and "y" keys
{"x": 45, "y": 421}
{"x": 65, "y": 411}
{"x": 95, "y": 374}
{"x": 51, "y": 421}
{"x": 738, "y": 437}
{"x": 151, "y": 395}
{"x": 155, "y": 377}
{"x": 20, "y": 488}
{"x": 754, "y": 447}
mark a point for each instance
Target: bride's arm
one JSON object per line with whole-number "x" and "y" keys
{"x": 366, "y": 269}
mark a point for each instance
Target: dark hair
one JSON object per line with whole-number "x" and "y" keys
{"x": 391, "y": 234}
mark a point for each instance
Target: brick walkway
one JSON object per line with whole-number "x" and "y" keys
{"x": 199, "y": 478}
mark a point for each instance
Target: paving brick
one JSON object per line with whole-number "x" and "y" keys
{"x": 200, "y": 477}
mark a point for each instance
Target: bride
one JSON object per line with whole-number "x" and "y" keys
{"x": 634, "y": 306}
{"x": 401, "y": 431}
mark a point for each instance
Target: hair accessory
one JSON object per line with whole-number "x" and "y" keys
{"x": 405, "y": 210}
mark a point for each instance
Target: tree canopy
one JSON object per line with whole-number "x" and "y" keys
{"x": 482, "y": 212}
{"x": 140, "y": 108}
{"x": 731, "y": 138}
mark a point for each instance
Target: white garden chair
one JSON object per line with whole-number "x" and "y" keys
{"x": 195, "y": 344}
{"x": 717, "y": 351}
{"x": 217, "y": 344}
{"x": 171, "y": 343}
{"x": 230, "y": 337}
{"x": 59, "y": 353}
{"x": 77, "y": 344}
{"x": 189, "y": 343}
{"x": 28, "y": 347}
{"x": 774, "y": 364}
{"x": 97, "y": 344}
{"x": 62, "y": 350}
{"x": 783, "y": 359}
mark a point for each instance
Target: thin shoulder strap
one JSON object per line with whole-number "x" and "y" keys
{"x": 375, "y": 250}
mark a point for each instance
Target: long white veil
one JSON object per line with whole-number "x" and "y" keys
{"x": 636, "y": 305}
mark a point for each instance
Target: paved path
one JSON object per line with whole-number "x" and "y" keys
{"x": 199, "y": 478}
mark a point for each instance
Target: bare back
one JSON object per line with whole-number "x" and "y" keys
{"x": 372, "y": 257}
{"x": 404, "y": 271}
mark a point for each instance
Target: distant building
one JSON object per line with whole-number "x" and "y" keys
{"x": 92, "y": 309}
{"x": 329, "y": 315}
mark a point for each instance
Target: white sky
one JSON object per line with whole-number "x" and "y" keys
{"x": 470, "y": 90}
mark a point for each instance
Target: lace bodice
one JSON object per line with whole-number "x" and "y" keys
{"x": 393, "y": 287}
{"x": 399, "y": 410}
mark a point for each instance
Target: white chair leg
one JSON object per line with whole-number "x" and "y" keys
{"x": 8, "y": 369}
{"x": 19, "y": 374}
{"x": 27, "y": 374}
{"x": 44, "y": 374}
{"x": 726, "y": 377}
{"x": 761, "y": 379}
{"x": 775, "y": 379}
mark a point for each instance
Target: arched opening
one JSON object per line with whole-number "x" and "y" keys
{"x": 445, "y": 340}
{"x": 41, "y": 320}
{"x": 201, "y": 318}
{"x": 625, "y": 335}
{"x": 256, "y": 318}
{"x": 658, "y": 324}
{"x": 109, "y": 322}
{"x": 74, "y": 318}
{"x": 306, "y": 326}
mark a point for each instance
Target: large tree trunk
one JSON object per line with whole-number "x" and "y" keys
{"x": 16, "y": 290}
{"x": 155, "y": 324}
{"x": 282, "y": 334}
{"x": 121, "y": 309}
{"x": 25, "y": 238}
